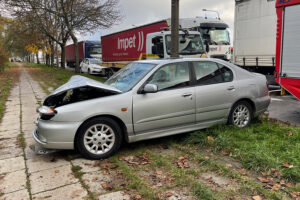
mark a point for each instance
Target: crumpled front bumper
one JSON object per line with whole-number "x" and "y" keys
{"x": 55, "y": 135}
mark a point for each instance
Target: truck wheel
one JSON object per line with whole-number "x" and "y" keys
{"x": 99, "y": 138}
{"x": 241, "y": 114}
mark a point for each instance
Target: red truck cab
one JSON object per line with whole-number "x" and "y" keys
{"x": 287, "y": 71}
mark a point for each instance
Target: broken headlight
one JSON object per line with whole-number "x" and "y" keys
{"x": 46, "y": 112}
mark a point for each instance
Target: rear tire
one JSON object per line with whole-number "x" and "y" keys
{"x": 241, "y": 114}
{"x": 99, "y": 138}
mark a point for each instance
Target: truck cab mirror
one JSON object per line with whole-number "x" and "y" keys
{"x": 206, "y": 46}
{"x": 158, "y": 49}
{"x": 154, "y": 49}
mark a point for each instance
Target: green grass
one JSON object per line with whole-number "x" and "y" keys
{"x": 6, "y": 80}
{"x": 53, "y": 76}
{"x": 262, "y": 146}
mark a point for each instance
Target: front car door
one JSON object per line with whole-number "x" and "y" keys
{"x": 215, "y": 91}
{"x": 172, "y": 106}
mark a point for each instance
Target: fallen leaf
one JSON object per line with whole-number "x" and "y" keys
{"x": 137, "y": 197}
{"x": 263, "y": 180}
{"x": 228, "y": 165}
{"x": 243, "y": 171}
{"x": 257, "y": 197}
{"x": 56, "y": 171}
{"x": 287, "y": 165}
{"x": 206, "y": 157}
{"x": 107, "y": 186}
{"x": 159, "y": 172}
{"x": 181, "y": 158}
{"x": 264, "y": 173}
{"x": 213, "y": 188}
{"x": 295, "y": 195}
{"x": 159, "y": 184}
{"x": 276, "y": 187}
{"x": 290, "y": 133}
{"x": 288, "y": 185}
{"x": 210, "y": 138}
{"x": 224, "y": 153}
{"x": 168, "y": 194}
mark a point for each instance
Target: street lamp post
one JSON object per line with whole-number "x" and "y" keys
{"x": 175, "y": 29}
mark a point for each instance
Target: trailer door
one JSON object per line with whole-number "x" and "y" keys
{"x": 290, "y": 63}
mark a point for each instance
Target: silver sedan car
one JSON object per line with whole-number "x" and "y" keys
{"x": 149, "y": 99}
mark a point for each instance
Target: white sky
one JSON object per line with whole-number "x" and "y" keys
{"x": 138, "y": 12}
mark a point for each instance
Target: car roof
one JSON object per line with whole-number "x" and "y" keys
{"x": 173, "y": 60}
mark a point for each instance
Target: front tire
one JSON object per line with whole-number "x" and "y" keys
{"x": 241, "y": 114}
{"x": 99, "y": 138}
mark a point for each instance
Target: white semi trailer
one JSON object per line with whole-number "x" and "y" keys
{"x": 255, "y": 35}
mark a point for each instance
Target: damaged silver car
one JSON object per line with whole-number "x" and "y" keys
{"x": 148, "y": 99}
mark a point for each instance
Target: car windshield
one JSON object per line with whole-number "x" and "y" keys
{"x": 216, "y": 36}
{"x": 188, "y": 44}
{"x": 129, "y": 76}
{"x": 94, "y": 61}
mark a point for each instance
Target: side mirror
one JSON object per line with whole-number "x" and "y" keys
{"x": 150, "y": 88}
{"x": 154, "y": 49}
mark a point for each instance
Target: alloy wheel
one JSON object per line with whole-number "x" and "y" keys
{"x": 99, "y": 139}
{"x": 241, "y": 116}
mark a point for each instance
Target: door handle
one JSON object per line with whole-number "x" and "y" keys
{"x": 230, "y": 88}
{"x": 187, "y": 95}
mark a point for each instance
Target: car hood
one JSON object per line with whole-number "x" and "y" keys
{"x": 81, "y": 81}
{"x": 77, "y": 89}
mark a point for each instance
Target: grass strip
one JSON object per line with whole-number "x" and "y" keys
{"x": 248, "y": 184}
{"x": 183, "y": 177}
{"x": 261, "y": 146}
{"x": 134, "y": 182}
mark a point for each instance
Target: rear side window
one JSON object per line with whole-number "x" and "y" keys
{"x": 227, "y": 73}
{"x": 208, "y": 73}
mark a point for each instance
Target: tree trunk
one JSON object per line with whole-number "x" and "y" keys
{"x": 63, "y": 54}
{"x": 47, "y": 59}
{"x": 77, "y": 70}
{"x": 37, "y": 58}
{"x": 56, "y": 55}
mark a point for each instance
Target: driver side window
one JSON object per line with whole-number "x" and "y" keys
{"x": 171, "y": 76}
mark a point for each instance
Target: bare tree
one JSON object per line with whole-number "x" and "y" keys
{"x": 87, "y": 16}
{"x": 43, "y": 15}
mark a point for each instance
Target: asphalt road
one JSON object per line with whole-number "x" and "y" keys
{"x": 286, "y": 109}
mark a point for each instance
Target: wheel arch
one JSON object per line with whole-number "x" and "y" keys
{"x": 248, "y": 100}
{"x": 118, "y": 120}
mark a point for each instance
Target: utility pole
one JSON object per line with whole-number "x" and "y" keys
{"x": 175, "y": 29}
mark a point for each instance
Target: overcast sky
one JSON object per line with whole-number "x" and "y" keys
{"x": 138, "y": 12}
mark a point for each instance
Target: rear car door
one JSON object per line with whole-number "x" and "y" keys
{"x": 172, "y": 106}
{"x": 215, "y": 90}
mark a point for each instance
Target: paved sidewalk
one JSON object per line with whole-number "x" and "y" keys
{"x": 25, "y": 175}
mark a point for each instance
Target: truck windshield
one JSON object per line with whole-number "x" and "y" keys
{"x": 95, "y": 50}
{"x": 129, "y": 76}
{"x": 215, "y": 36}
{"x": 188, "y": 44}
